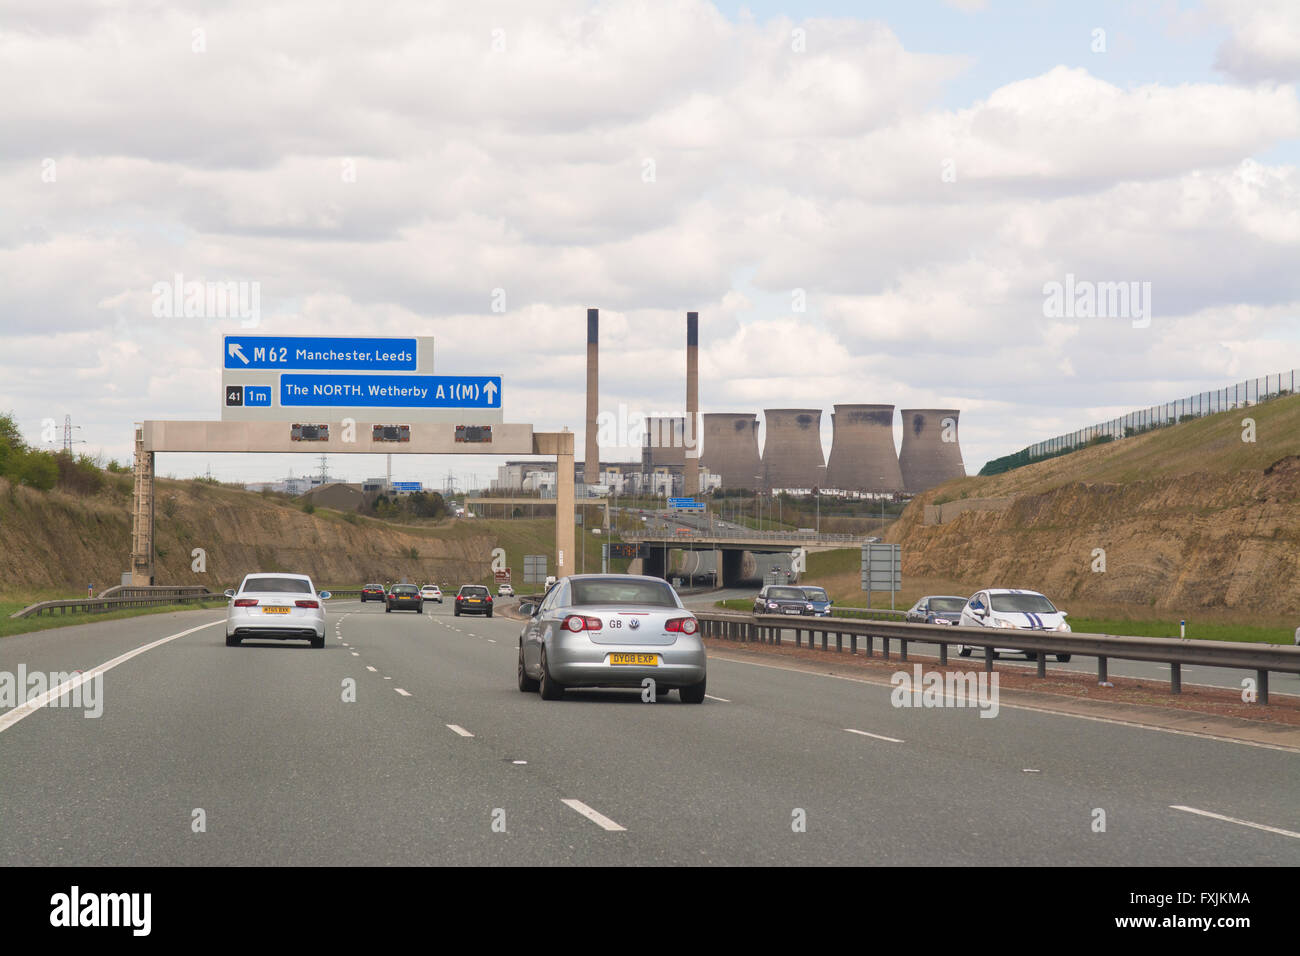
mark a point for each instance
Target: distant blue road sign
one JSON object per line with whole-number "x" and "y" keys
{"x": 257, "y": 396}
{"x": 319, "y": 353}
{"x": 391, "y": 391}
{"x": 408, "y": 486}
{"x": 687, "y": 503}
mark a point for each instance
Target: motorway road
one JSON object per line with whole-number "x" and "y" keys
{"x": 1193, "y": 676}
{"x": 438, "y": 738}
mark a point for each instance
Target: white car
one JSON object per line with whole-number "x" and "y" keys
{"x": 278, "y": 607}
{"x": 1012, "y": 609}
{"x": 505, "y": 591}
{"x": 431, "y": 592}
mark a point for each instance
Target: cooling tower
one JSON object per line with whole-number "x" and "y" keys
{"x": 792, "y": 449}
{"x": 930, "y": 454}
{"x": 691, "y": 473}
{"x": 862, "y": 452}
{"x": 591, "y": 461}
{"x": 731, "y": 448}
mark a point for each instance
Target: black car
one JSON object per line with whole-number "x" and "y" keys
{"x": 404, "y": 597}
{"x": 473, "y": 599}
{"x": 936, "y": 609}
{"x": 372, "y": 592}
{"x": 783, "y": 599}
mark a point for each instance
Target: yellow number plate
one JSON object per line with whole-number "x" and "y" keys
{"x": 275, "y": 610}
{"x": 643, "y": 660}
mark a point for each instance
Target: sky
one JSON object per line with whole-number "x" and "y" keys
{"x": 866, "y": 202}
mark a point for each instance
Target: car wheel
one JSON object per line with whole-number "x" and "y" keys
{"x": 232, "y": 641}
{"x": 387, "y": 608}
{"x": 489, "y": 613}
{"x": 963, "y": 650}
{"x": 318, "y": 642}
{"x": 694, "y": 694}
{"x": 456, "y": 613}
{"x": 526, "y": 684}
{"x": 548, "y": 686}
{"x": 1063, "y": 658}
{"x": 1031, "y": 655}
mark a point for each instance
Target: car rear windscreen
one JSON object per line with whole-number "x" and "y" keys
{"x": 947, "y": 604}
{"x": 285, "y": 585}
{"x": 1034, "y": 603}
{"x": 404, "y": 589}
{"x": 616, "y": 591}
{"x": 477, "y": 591}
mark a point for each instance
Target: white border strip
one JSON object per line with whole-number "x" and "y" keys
{"x": 35, "y": 704}
{"x": 892, "y": 740}
{"x": 599, "y": 819}
{"x": 1244, "y": 823}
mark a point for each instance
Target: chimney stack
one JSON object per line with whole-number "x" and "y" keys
{"x": 591, "y": 459}
{"x": 691, "y": 472}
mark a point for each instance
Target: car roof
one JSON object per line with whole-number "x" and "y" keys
{"x": 958, "y": 597}
{"x": 276, "y": 574}
{"x": 1012, "y": 591}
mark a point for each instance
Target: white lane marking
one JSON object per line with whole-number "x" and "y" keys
{"x": 399, "y": 690}
{"x": 457, "y": 728}
{"x": 1037, "y": 710}
{"x": 602, "y": 821}
{"x": 387, "y": 678}
{"x": 719, "y": 699}
{"x": 892, "y": 740}
{"x": 373, "y": 670}
{"x": 1244, "y": 823}
{"x": 490, "y": 641}
{"x": 54, "y": 693}
{"x": 355, "y": 654}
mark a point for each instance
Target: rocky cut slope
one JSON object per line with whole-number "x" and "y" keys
{"x": 1190, "y": 516}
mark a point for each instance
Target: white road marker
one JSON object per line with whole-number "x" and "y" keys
{"x": 1244, "y": 823}
{"x": 892, "y": 740}
{"x": 400, "y": 691}
{"x": 54, "y": 693}
{"x": 355, "y": 654}
{"x": 490, "y": 641}
{"x": 373, "y": 670}
{"x": 722, "y": 700}
{"x": 602, "y": 821}
{"x": 457, "y": 728}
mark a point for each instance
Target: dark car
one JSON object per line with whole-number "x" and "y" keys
{"x": 372, "y": 592}
{"x": 821, "y": 601}
{"x": 473, "y": 599}
{"x": 936, "y": 609}
{"x": 404, "y": 597}
{"x": 782, "y": 599}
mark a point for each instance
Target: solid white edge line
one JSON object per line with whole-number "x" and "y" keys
{"x": 457, "y": 728}
{"x": 602, "y": 821}
{"x": 373, "y": 670}
{"x": 31, "y": 706}
{"x": 1244, "y": 823}
{"x": 404, "y": 693}
{"x": 1043, "y": 710}
{"x": 892, "y": 740}
{"x": 719, "y": 699}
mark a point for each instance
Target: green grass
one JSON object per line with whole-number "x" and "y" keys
{"x": 1250, "y": 633}
{"x": 24, "y": 625}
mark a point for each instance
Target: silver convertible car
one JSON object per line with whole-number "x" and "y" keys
{"x": 611, "y": 630}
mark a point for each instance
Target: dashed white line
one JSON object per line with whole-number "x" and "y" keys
{"x": 355, "y": 654}
{"x": 400, "y": 691}
{"x": 602, "y": 821}
{"x": 457, "y": 728}
{"x": 1244, "y": 823}
{"x": 373, "y": 670}
{"x": 892, "y": 740}
{"x": 721, "y": 700}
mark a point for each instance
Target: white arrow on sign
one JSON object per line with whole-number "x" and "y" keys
{"x": 237, "y": 351}
{"x": 491, "y": 390}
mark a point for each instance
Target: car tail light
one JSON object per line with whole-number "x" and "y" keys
{"x": 684, "y": 625}
{"x": 307, "y": 603}
{"x": 578, "y": 622}
{"x": 245, "y": 602}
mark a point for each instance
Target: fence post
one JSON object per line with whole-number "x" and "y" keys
{"x": 1175, "y": 678}
{"x": 1102, "y": 672}
{"x": 988, "y": 659}
{"x": 1263, "y": 686}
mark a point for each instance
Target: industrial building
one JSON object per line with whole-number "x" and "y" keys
{"x": 863, "y": 457}
{"x": 792, "y": 449}
{"x": 930, "y": 454}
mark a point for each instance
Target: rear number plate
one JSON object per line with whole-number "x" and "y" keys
{"x": 644, "y": 660}
{"x": 275, "y": 610}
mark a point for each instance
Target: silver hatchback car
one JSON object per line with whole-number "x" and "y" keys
{"x": 611, "y": 630}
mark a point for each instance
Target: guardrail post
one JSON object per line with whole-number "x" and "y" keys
{"x": 870, "y": 642}
{"x": 776, "y": 635}
{"x": 1042, "y": 663}
{"x": 1102, "y": 671}
{"x": 988, "y": 659}
{"x": 839, "y": 642}
{"x": 943, "y": 655}
{"x": 1175, "y": 678}
{"x": 798, "y": 637}
{"x": 884, "y": 647}
{"x": 853, "y": 643}
{"x": 902, "y": 650}
{"x": 1263, "y": 686}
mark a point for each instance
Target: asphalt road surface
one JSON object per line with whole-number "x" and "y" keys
{"x": 441, "y": 760}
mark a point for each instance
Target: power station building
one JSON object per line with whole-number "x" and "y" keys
{"x": 863, "y": 457}
{"x": 792, "y": 448}
{"x": 930, "y": 454}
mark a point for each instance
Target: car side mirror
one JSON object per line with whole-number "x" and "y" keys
{"x": 1065, "y": 614}
{"x": 230, "y": 592}
{"x": 981, "y": 612}
{"x": 324, "y": 595}
{"x": 528, "y": 608}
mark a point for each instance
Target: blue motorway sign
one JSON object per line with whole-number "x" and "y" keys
{"x": 306, "y": 353}
{"x": 391, "y": 391}
{"x": 689, "y": 503}
{"x": 408, "y": 486}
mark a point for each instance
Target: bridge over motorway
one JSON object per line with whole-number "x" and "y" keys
{"x": 729, "y": 545}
